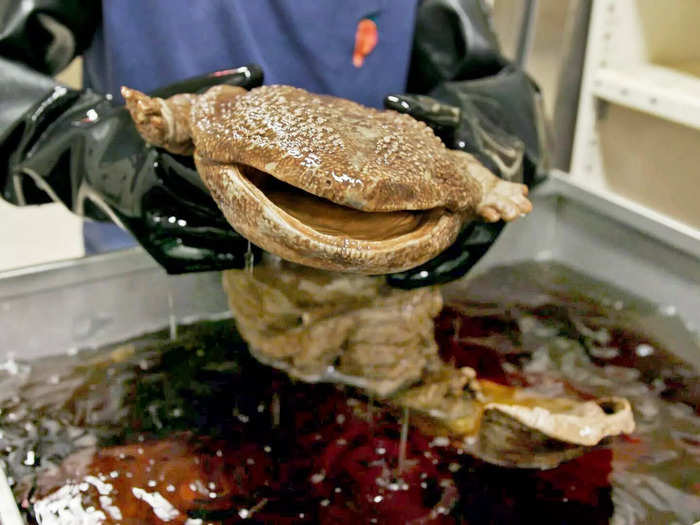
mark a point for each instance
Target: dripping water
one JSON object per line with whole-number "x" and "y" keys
{"x": 404, "y": 441}
{"x": 249, "y": 259}
{"x": 172, "y": 319}
{"x": 370, "y": 412}
{"x": 275, "y": 410}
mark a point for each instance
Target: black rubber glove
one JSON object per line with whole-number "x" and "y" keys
{"x": 78, "y": 148}
{"x": 498, "y": 120}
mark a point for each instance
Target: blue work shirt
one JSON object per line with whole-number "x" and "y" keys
{"x": 147, "y": 44}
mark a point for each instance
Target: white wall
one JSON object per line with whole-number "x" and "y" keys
{"x": 545, "y": 57}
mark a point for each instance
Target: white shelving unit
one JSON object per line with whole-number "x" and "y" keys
{"x": 657, "y": 90}
{"x": 637, "y": 135}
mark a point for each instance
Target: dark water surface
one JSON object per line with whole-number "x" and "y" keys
{"x": 195, "y": 431}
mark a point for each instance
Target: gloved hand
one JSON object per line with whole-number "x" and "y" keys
{"x": 485, "y": 106}
{"x": 497, "y": 119}
{"x": 81, "y": 149}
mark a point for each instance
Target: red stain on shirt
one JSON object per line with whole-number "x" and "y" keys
{"x": 366, "y": 38}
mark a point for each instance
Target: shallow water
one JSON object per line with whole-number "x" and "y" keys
{"x": 195, "y": 431}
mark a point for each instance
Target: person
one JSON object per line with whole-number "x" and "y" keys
{"x": 77, "y": 146}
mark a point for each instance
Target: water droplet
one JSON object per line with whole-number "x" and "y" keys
{"x": 667, "y": 310}
{"x": 318, "y": 477}
{"x": 644, "y": 350}
{"x": 30, "y": 459}
{"x": 440, "y": 441}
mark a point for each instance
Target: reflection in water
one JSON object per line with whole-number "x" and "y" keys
{"x": 196, "y": 431}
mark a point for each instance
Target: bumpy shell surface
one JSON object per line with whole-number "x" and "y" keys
{"x": 342, "y": 151}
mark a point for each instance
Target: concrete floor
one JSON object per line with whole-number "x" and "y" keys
{"x": 33, "y": 235}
